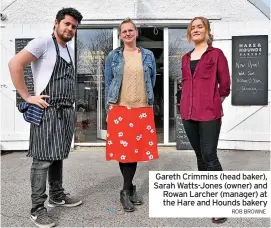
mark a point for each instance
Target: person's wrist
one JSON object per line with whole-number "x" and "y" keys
{"x": 27, "y": 97}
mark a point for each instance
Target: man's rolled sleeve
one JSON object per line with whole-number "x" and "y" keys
{"x": 37, "y": 47}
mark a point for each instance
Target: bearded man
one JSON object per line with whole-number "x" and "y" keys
{"x": 50, "y": 111}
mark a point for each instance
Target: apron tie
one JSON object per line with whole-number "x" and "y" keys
{"x": 60, "y": 110}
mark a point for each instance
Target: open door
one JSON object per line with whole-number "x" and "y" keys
{"x": 152, "y": 38}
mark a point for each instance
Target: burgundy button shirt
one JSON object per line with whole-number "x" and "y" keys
{"x": 202, "y": 92}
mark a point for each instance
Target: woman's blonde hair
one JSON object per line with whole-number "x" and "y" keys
{"x": 207, "y": 27}
{"x": 127, "y": 20}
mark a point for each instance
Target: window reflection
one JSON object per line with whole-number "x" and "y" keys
{"x": 178, "y": 46}
{"x": 92, "y": 47}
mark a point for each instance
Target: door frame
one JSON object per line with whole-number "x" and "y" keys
{"x": 101, "y": 133}
{"x": 165, "y": 24}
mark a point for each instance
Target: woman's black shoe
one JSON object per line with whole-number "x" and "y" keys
{"x": 128, "y": 206}
{"x": 135, "y": 198}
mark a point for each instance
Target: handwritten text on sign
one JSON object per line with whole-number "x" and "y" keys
{"x": 250, "y": 70}
{"x": 209, "y": 194}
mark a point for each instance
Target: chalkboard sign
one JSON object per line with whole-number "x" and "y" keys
{"x": 250, "y": 70}
{"x": 182, "y": 142}
{"x": 28, "y": 77}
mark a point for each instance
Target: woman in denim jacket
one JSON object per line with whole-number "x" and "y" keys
{"x": 205, "y": 85}
{"x": 130, "y": 74}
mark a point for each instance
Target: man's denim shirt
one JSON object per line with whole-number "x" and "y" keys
{"x": 114, "y": 65}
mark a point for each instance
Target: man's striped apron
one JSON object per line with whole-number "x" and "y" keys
{"x": 52, "y": 139}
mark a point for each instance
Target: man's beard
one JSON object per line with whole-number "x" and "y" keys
{"x": 63, "y": 38}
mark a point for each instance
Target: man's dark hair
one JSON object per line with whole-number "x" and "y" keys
{"x": 71, "y": 12}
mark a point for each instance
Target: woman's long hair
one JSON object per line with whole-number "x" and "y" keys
{"x": 206, "y": 24}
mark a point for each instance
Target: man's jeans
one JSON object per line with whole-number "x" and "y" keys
{"x": 203, "y": 137}
{"x": 38, "y": 178}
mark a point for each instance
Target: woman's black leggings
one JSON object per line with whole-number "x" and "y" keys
{"x": 203, "y": 137}
{"x": 128, "y": 171}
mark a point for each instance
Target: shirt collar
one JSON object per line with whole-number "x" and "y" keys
{"x": 208, "y": 49}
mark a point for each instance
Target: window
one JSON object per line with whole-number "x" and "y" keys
{"x": 92, "y": 47}
{"x": 178, "y": 46}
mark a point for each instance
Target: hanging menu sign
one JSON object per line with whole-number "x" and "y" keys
{"x": 182, "y": 142}
{"x": 28, "y": 77}
{"x": 250, "y": 70}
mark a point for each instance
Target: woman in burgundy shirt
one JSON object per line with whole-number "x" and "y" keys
{"x": 205, "y": 85}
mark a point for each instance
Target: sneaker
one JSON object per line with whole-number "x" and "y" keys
{"x": 41, "y": 218}
{"x": 64, "y": 201}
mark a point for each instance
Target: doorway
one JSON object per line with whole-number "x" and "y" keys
{"x": 93, "y": 45}
{"x": 152, "y": 38}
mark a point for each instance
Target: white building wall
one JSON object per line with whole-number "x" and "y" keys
{"x": 40, "y": 11}
{"x": 244, "y": 127}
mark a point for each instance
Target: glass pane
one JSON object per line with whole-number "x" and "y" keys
{"x": 92, "y": 47}
{"x": 178, "y": 46}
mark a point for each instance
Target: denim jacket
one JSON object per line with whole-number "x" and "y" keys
{"x": 114, "y": 65}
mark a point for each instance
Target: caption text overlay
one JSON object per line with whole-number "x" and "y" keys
{"x": 209, "y": 194}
